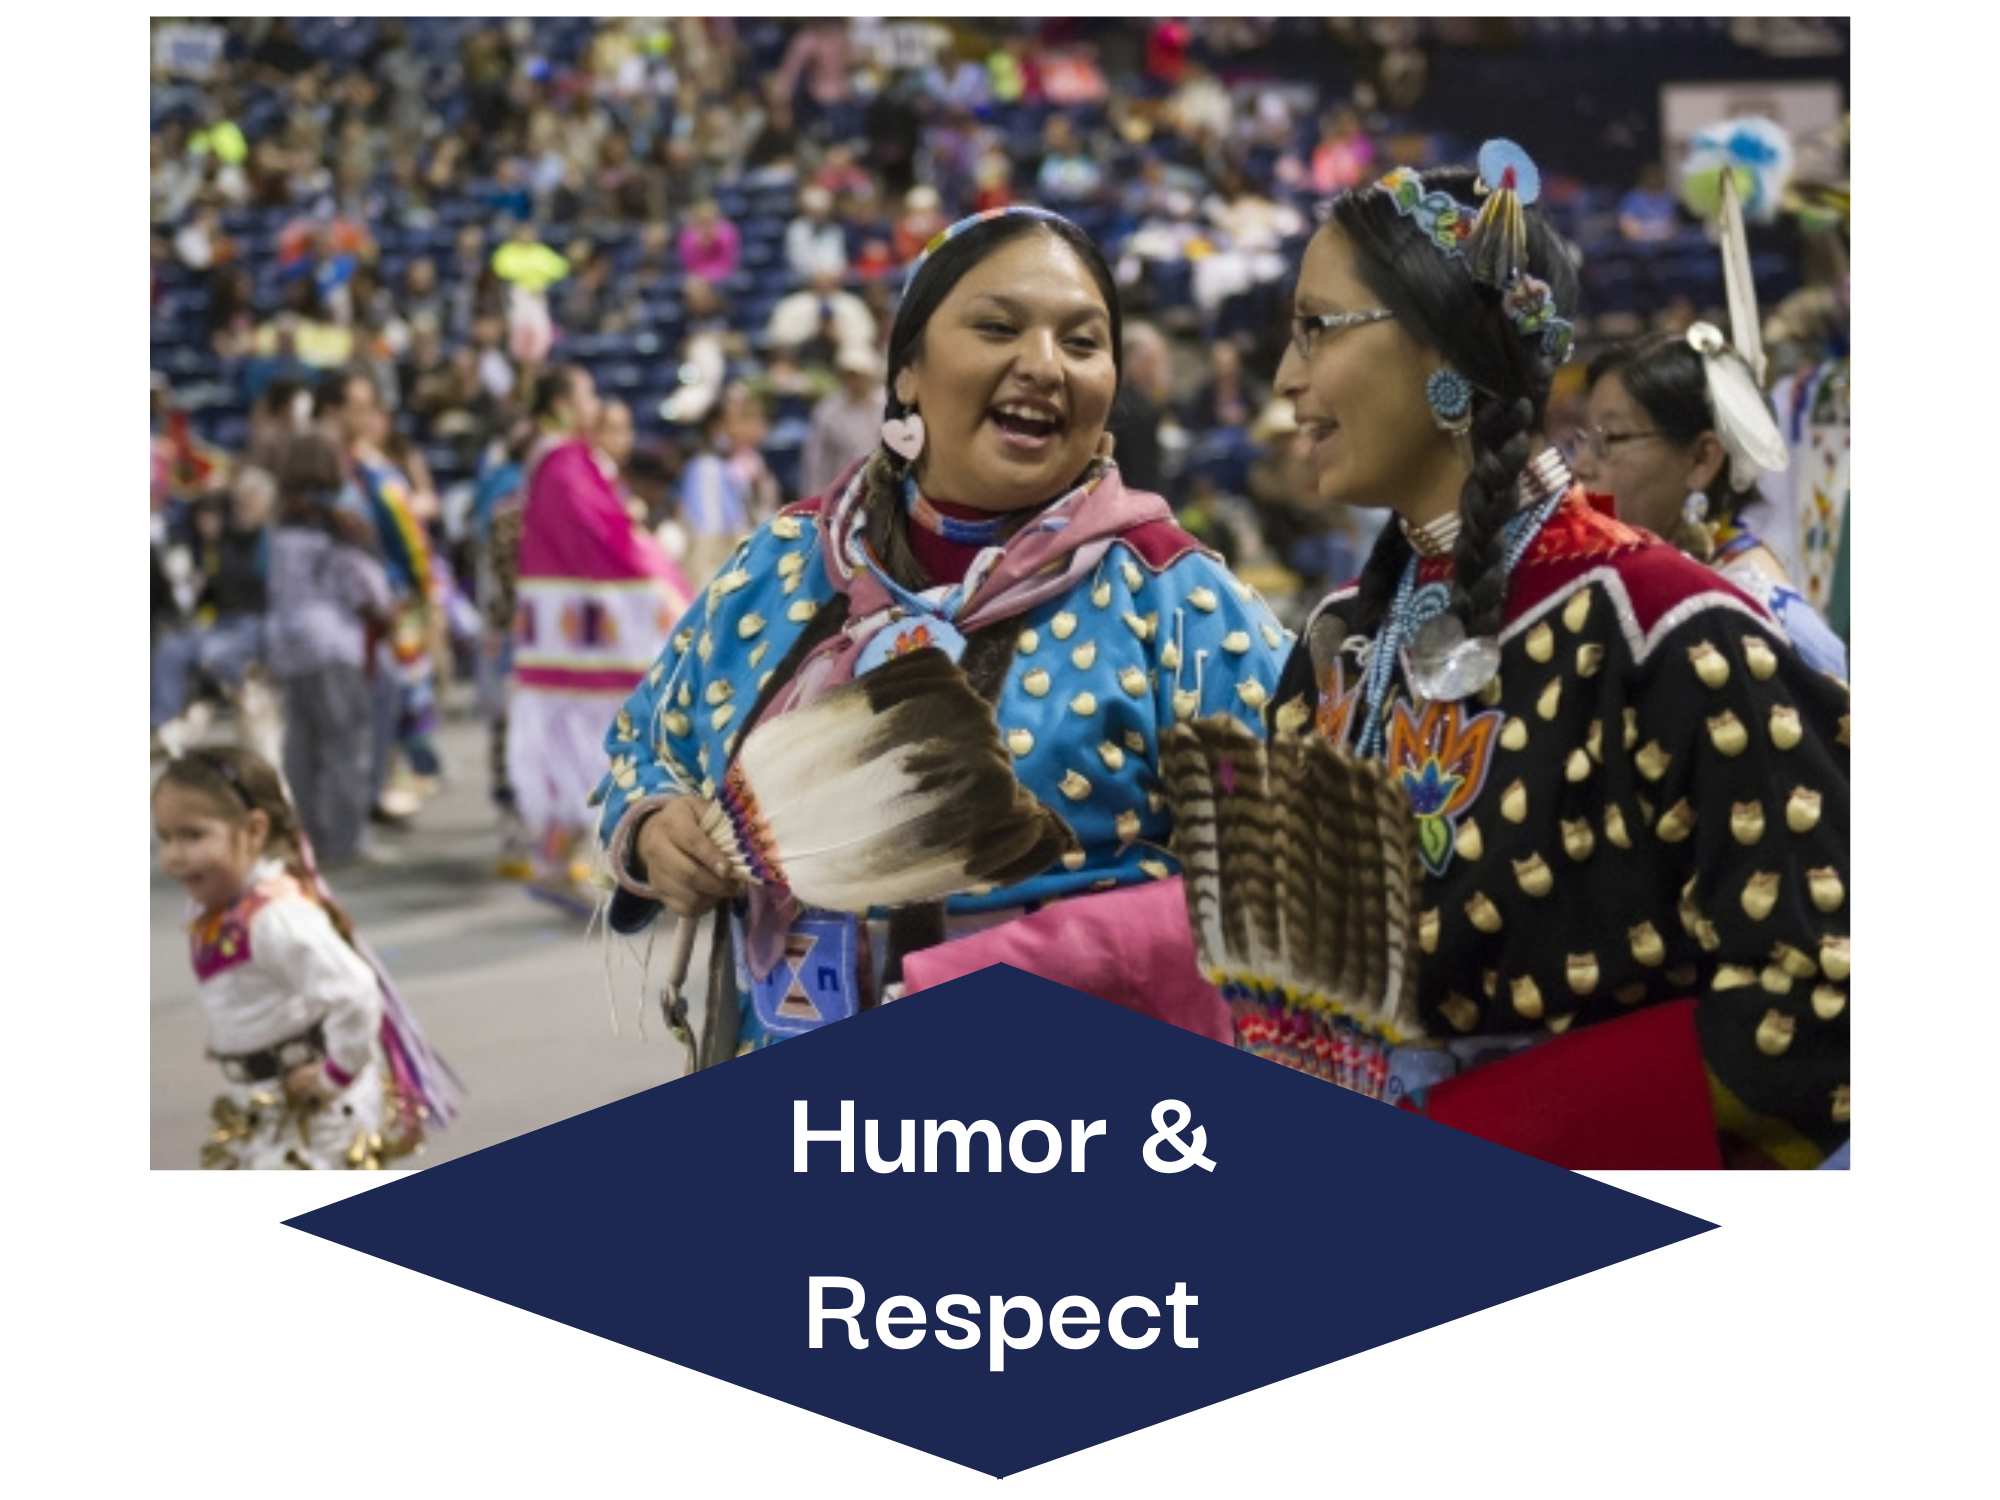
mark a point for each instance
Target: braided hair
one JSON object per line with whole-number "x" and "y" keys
{"x": 1439, "y": 303}
{"x": 939, "y": 272}
{"x": 236, "y": 782}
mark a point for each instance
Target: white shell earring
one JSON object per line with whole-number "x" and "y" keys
{"x": 1694, "y": 509}
{"x": 904, "y": 436}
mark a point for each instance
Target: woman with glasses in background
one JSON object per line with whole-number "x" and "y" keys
{"x": 1677, "y": 436}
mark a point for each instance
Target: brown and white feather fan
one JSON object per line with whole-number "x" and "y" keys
{"x": 894, "y": 788}
{"x": 1300, "y": 866}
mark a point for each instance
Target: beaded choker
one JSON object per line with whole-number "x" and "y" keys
{"x": 1434, "y": 538}
{"x": 1544, "y": 475}
{"x": 928, "y": 516}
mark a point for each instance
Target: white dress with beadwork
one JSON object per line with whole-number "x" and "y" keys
{"x": 272, "y": 972}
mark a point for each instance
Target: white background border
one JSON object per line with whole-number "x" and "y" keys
{"x": 165, "y": 1332}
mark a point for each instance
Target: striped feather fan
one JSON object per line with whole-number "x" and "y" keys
{"x": 892, "y": 789}
{"x": 1300, "y": 866}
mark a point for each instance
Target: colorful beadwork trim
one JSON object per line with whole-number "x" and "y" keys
{"x": 739, "y": 805}
{"x": 1308, "y": 1038}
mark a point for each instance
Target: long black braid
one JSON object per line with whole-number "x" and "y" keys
{"x": 1501, "y": 433}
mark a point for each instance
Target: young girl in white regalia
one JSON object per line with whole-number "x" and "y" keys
{"x": 323, "y": 1067}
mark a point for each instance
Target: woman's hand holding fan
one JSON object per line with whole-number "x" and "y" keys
{"x": 682, "y": 865}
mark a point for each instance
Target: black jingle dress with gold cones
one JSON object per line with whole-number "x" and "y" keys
{"x": 1650, "y": 802}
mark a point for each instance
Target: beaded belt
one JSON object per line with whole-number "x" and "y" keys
{"x": 275, "y": 1061}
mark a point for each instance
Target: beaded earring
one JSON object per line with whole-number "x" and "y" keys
{"x": 1450, "y": 398}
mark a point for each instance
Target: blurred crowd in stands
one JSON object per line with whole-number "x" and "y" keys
{"x": 712, "y": 218}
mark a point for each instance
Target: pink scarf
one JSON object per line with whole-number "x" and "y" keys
{"x": 1047, "y": 558}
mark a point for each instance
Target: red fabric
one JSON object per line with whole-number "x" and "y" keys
{"x": 1656, "y": 575}
{"x": 1630, "y": 1094}
{"x": 945, "y": 560}
{"x": 1160, "y": 544}
{"x": 1131, "y": 946}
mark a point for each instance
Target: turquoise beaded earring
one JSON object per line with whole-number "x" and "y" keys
{"x": 1450, "y": 398}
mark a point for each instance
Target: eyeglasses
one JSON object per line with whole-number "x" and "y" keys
{"x": 1307, "y": 330}
{"x": 1598, "y": 443}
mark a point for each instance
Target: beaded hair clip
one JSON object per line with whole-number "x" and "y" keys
{"x": 1492, "y": 239}
{"x": 973, "y": 221}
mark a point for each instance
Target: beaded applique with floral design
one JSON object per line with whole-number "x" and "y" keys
{"x": 1440, "y": 755}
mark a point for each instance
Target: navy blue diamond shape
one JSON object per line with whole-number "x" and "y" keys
{"x": 674, "y": 1222}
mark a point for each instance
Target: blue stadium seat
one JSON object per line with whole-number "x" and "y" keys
{"x": 1611, "y": 285}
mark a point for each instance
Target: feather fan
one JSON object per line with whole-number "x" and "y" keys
{"x": 892, "y": 789}
{"x": 1300, "y": 868}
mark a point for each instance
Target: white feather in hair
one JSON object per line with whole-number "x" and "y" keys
{"x": 1300, "y": 866}
{"x": 894, "y": 788}
{"x": 1746, "y": 329}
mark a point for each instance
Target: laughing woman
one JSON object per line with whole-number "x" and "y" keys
{"x": 1632, "y": 790}
{"x": 991, "y": 523}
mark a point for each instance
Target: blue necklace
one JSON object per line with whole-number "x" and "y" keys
{"x": 1412, "y": 608}
{"x": 928, "y": 516}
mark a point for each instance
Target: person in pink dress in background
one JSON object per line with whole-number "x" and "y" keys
{"x": 596, "y": 599}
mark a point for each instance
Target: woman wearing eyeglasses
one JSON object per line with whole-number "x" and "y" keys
{"x": 1631, "y": 918}
{"x": 1678, "y": 434}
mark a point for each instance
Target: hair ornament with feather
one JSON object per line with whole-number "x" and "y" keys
{"x": 1492, "y": 239}
{"x": 1743, "y": 422}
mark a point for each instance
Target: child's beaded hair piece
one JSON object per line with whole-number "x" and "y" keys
{"x": 1491, "y": 239}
